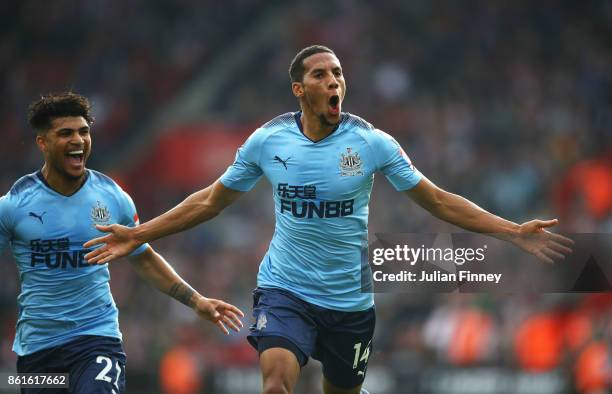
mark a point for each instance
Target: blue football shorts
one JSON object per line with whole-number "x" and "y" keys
{"x": 94, "y": 364}
{"x": 342, "y": 341}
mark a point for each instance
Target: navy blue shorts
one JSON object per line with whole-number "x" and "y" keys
{"x": 342, "y": 341}
{"x": 95, "y": 364}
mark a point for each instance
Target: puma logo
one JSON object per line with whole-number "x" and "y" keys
{"x": 283, "y": 162}
{"x": 39, "y": 217}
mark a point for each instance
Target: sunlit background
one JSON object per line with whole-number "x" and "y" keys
{"x": 506, "y": 103}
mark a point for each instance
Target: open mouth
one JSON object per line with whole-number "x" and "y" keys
{"x": 334, "y": 102}
{"x": 75, "y": 157}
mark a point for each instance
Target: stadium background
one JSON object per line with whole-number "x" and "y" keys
{"x": 506, "y": 103}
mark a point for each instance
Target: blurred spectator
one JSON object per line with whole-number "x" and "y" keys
{"x": 179, "y": 372}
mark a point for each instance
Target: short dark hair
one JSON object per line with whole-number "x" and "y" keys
{"x": 56, "y": 105}
{"x": 296, "y": 69}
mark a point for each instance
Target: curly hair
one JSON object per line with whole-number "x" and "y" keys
{"x": 56, "y": 105}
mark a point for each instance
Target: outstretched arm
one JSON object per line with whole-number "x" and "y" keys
{"x": 153, "y": 268}
{"x": 530, "y": 236}
{"x": 195, "y": 209}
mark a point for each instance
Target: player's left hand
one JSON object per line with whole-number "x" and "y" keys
{"x": 119, "y": 242}
{"x": 220, "y": 313}
{"x": 546, "y": 246}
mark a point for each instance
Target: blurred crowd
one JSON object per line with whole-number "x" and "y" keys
{"x": 506, "y": 103}
{"x": 129, "y": 58}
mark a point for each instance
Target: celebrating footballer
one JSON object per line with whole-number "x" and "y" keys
{"x": 68, "y": 320}
{"x": 321, "y": 163}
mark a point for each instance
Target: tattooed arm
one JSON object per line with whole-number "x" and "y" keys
{"x": 152, "y": 267}
{"x": 183, "y": 293}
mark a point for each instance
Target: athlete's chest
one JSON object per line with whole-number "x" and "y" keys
{"x": 52, "y": 219}
{"x": 333, "y": 169}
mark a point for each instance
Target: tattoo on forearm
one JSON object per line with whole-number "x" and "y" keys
{"x": 183, "y": 293}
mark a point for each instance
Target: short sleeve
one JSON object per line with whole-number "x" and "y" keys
{"x": 5, "y": 222}
{"x": 394, "y": 162}
{"x": 129, "y": 218}
{"x": 244, "y": 173}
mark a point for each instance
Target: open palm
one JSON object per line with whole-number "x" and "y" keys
{"x": 546, "y": 246}
{"x": 220, "y": 313}
{"x": 119, "y": 242}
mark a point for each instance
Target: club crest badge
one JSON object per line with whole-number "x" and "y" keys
{"x": 350, "y": 163}
{"x": 262, "y": 320}
{"x": 100, "y": 214}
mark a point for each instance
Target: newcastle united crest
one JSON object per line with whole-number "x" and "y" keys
{"x": 350, "y": 163}
{"x": 100, "y": 214}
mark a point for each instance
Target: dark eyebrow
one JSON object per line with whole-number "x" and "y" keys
{"x": 314, "y": 70}
{"x": 84, "y": 128}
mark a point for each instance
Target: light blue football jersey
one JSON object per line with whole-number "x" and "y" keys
{"x": 62, "y": 296}
{"x": 321, "y": 192}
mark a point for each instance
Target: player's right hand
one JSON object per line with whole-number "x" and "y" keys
{"x": 118, "y": 243}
